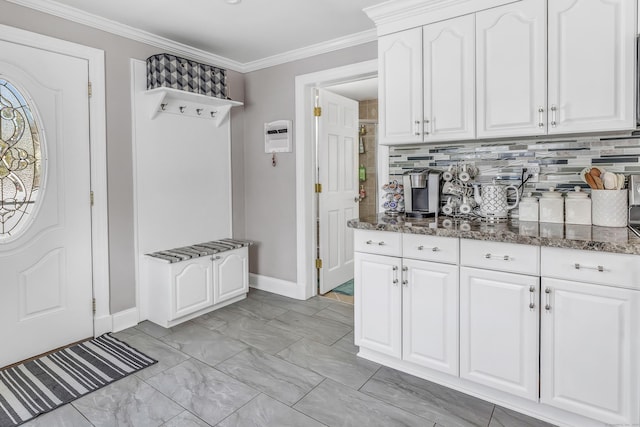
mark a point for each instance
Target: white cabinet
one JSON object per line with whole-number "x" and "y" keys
{"x": 377, "y": 310}
{"x": 511, "y": 70}
{"x": 231, "y": 275}
{"x": 400, "y": 84}
{"x": 591, "y": 65}
{"x": 186, "y": 289}
{"x": 589, "y": 350}
{"x": 430, "y": 315}
{"x": 449, "y": 79}
{"x": 499, "y": 330}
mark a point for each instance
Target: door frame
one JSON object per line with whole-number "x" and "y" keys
{"x": 306, "y": 202}
{"x": 102, "y": 320}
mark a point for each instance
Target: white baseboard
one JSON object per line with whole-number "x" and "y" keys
{"x": 125, "y": 319}
{"x": 277, "y": 286}
{"x": 102, "y": 325}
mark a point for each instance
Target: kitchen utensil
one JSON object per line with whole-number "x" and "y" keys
{"x": 609, "y": 180}
{"x": 493, "y": 199}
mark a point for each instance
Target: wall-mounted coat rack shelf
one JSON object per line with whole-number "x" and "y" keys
{"x": 174, "y": 101}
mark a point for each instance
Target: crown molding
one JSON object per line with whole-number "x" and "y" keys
{"x": 397, "y": 15}
{"x": 60, "y": 10}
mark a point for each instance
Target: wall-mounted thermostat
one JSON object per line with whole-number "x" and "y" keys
{"x": 277, "y": 136}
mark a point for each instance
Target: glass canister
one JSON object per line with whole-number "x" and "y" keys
{"x": 552, "y": 206}
{"x": 528, "y": 208}
{"x": 577, "y": 207}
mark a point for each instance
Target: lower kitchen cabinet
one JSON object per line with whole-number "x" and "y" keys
{"x": 590, "y": 350}
{"x": 499, "y": 330}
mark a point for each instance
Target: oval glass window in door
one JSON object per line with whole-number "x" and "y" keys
{"x": 20, "y": 162}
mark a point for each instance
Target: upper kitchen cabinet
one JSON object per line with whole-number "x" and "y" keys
{"x": 449, "y": 79}
{"x": 511, "y": 70}
{"x": 400, "y": 94}
{"x": 591, "y": 65}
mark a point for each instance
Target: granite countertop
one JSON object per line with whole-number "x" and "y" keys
{"x": 584, "y": 237}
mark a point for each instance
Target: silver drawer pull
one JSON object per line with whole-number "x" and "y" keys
{"x": 371, "y": 242}
{"x": 405, "y": 283}
{"x": 599, "y": 268}
{"x": 503, "y": 258}
{"x": 547, "y": 293}
{"x": 434, "y": 249}
{"x": 532, "y": 301}
{"x": 395, "y": 282}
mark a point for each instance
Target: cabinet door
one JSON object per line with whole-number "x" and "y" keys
{"x": 232, "y": 274}
{"x": 511, "y": 70}
{"x": 400, "y": 84}
{"x": 430, "y": 315}
{"x": 499, "y": 330}
{"x": 449, "y": 79}
{"x": 191, "y": 287}
{"x": 378, "y": 299}
{"x": 591, "y": 65}
{"x": 589, "y": 350}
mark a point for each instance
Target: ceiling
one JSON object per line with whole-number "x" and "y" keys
{"x": 244, "y": 33}
{"x": 360, "y": 90}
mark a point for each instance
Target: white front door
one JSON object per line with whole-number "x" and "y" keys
{"x": 338, "y": 201}
{"x": 45, "y": 222}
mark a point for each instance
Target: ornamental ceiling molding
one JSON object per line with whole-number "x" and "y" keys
{"x": 167, "y": 45}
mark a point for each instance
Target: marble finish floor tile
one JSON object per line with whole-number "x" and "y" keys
{"x": 442, "y": 405}
{"x": 202, "y": 390}
{"x": 209, "y": 321}
{"x": 185, "y": 419}
{"x": 336, "y": 405}
{"x": 308, "y": 307}
{"x": 503, "y": 417}
{"x": 346, "y": 344}
{"x": 342, "y": 308}
{"x": 345, "y": 368}
{"x": 166, "y": 355}
{"x": 264, "y": 411}
{"x": 129, "y": 332}
{"x": 127, "y": 402}
{"x": 328, "y": 313}
{"x": 66, "y": 416}
{"x": 205, "y": 345}
{"x": 152, "y": 329}
{"x": 260, "y": 309}
{"x": 271, "y": 375}
{"x": 258, "y": 334}
{"x": 325, "y": 331}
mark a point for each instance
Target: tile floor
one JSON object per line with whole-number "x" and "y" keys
{"x": 271, "y": 361}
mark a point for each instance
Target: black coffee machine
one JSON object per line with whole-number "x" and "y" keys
{"x": 421, "y": 192}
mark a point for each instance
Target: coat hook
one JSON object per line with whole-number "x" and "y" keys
{"x": 182, "y": 108}
{"x": 199, "y": 111}
{"x": 273, "y": 159}
{"x": 163, "y": 106}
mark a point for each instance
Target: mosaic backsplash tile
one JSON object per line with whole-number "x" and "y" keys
{"x": 560, "y": 159}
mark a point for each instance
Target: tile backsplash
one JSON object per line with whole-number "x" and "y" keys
{"x": 560, "y": 159}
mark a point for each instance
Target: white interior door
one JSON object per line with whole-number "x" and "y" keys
{"x": 338, "y": 201}
{"x": 45, "y": 223}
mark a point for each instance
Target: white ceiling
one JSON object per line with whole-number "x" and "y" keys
{"x": 247, "y": 32}
{"x": 360, "y": 90}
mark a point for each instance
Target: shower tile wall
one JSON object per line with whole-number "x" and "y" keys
{"x": 560, "y": 159}
{"x": 369, "y": 119}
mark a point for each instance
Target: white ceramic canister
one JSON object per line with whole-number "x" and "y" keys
{"x": 528, "y": 208}
{"x": 609, "y": 207}
{"x": 577, "y": 207}
{"x": 552, "y": 206}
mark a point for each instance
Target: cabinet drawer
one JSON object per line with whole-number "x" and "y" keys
{"x": 622, "y": 270}
{"x": 378, "y": 242}
{"x": 512, "y": 257}
{"x": 430, "y": 248}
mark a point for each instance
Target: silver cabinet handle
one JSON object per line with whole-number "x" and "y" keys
{"x": 395, "y": 268}
{"x": 215, "y": 258}
{"x": 405, "y": 283}
{"x": 395, "y": 275}
{"x": 532, "y": 294}
{"x": 600, "y": 268}
{"x": 417, "y": 123}
{"x": 426, "y": 122}
{"x": 554, "y": 109}
{"x": 395, "y": 282}
{"x": 547, "y": 297}
{"x": 498, "y": 257}
{"x": 540, "y": 117}
{"x": 434, "y": 249}
{"x": 371, "y": 242}
{"x": 405, "y": 268}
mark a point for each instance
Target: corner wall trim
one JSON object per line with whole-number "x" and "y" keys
{"x": 277, "y": 286}
{"x": 125, "y": 319}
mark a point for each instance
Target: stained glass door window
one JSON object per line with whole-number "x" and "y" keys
{"x": 20, "y": 161}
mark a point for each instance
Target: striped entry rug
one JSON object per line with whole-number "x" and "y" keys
{"x": 41, "y": 385}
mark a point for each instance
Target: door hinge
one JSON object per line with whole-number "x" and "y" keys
{"x": 318, "y": 188}
{"x": 93, "y": 305}
{"x": 317, "y": 111}
{"x": 90, "y": 89}
{"x": 318, "y": 263}
{"x": 91, "y": 198}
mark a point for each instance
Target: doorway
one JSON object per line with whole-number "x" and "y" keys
{"x": 307, "y": 205}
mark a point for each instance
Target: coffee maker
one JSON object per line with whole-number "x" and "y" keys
{"x": 421, "y": 192}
